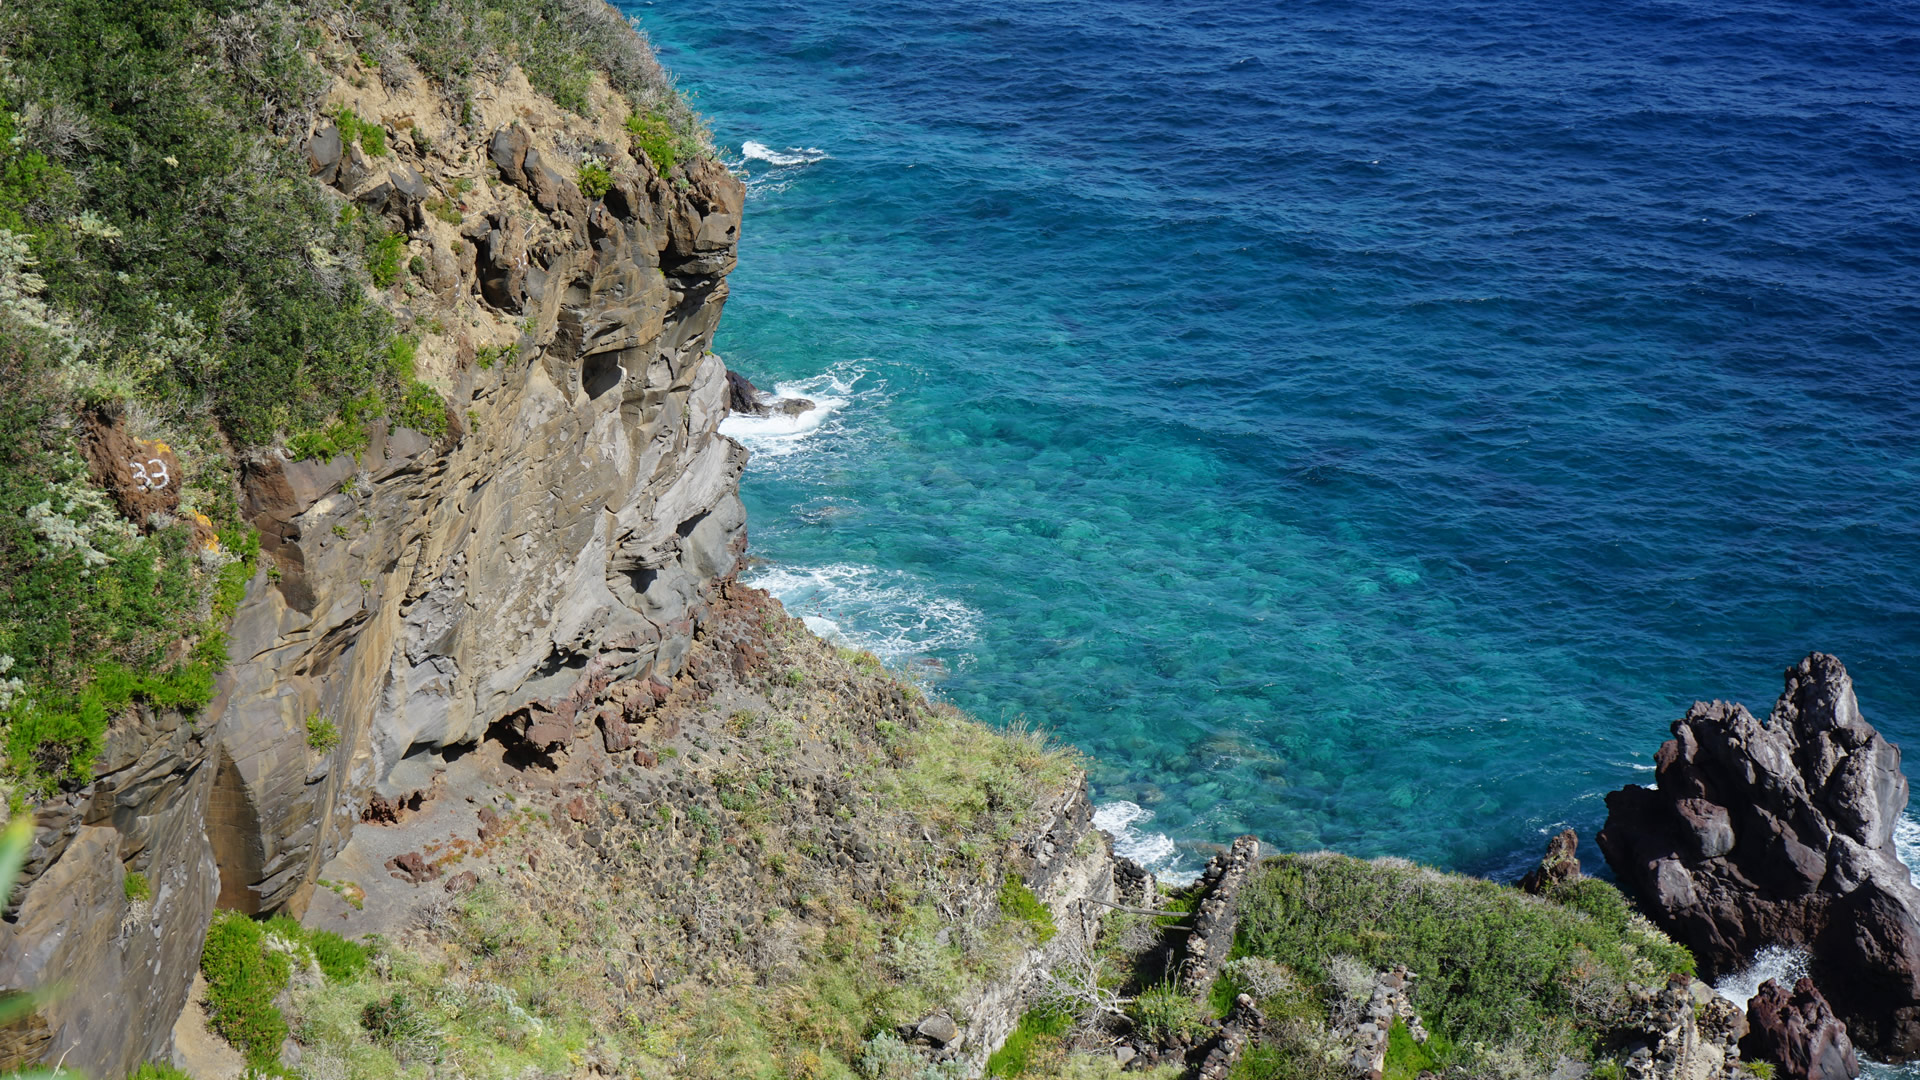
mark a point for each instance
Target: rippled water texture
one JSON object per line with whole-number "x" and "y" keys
{"x": 1365, "y": 425}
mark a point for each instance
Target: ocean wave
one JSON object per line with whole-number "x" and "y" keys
{"x": 1781, "y": 962}
{"x": 779, "y": 435}
{"x": 1906, "y": 844}
{"x": 886, "y": 612}
{"x": 1153, "y": 850}
{"x": 793, "y": 155}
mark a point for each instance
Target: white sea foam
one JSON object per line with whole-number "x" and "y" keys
{"x": 778, "y": 435}
{"x": 825, "y": 628}
{"x": 1153, "y": 850}
{"x": 887, "y": 612}
{"x": 793, "y": 155}
{"x": 1906, "y": 844}
{"x": 1785, "y": 963}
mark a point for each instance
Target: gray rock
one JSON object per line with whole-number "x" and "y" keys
{"x": 938, "y": 1029}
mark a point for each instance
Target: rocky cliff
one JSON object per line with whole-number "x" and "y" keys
{"x": 1782, "y": 833}
{"x": 562, "y": 528}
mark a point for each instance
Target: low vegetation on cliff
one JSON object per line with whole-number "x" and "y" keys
{"x": 175, "y": 289}
{"x": 812, "y": 856}
{"x": 1509, "y": 983}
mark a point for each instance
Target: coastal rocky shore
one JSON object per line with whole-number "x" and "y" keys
{"x": 1782, "y": 834}
{"x": 506, "y": 773}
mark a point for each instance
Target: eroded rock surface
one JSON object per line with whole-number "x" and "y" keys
{"x": 1798, "y": 1031}
{"x": 1782, "y": 834}
{"x": 563, "y": 531}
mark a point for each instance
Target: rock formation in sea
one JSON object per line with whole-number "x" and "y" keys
{"x": 1799, "y": 1033}
{"x": 1558, "y": 866}
{"x": 1781, "y": 833}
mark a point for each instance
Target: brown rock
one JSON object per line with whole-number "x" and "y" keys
{"x": 413, "y": 866}
{"x": 1558, "y": 867}
{"x": 615, "y": 733}
{"x": 1781, "y": 833}
{"x": 581, "y": 809}
{"x": 1799, "y": 1033}
{"x": 646, "y": 759}
{"x": 462, "y": 881}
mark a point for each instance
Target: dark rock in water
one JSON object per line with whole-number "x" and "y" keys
{"x": 1799, "y": 1032}
{"x": 1782, "y": 834}
{"x": 1558, "y": 867}
{"x": 743, "y": 396}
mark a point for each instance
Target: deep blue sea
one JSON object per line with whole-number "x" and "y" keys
{"x": 1366, "y": 425}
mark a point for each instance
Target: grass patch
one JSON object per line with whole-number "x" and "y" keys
{"x": 1407, "y": 1059}
{"x": 322, "y": 735}
{"x": 243, "y": 978}
{"x": 1037, "y": 1029}
{"x": 136, "y": 887}
{"x": 1018, "y": 902}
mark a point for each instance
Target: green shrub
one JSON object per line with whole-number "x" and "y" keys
{"x": 383, "y": 259}
{"x": 371, "y": 137}
{"x": 159, "y": 1070}
{"x": 1162, "y": 1013}
{"x": 1495, "y": 965}
{"x": 423, "y": 410}
{"x": 1037, "y": 1028}
{"x": 595, "y": 180}
{"x": 243, "y": 978}
{"x": 1407, "y": 1059}
{"x": 652, "y": 137}
{"x": 339, "y": 959}
{"x": 137, "y": 887}
{"x": 1762, "y": 1070}
{"x": 322, "y": 734}
{"x": 1018, "y": 902}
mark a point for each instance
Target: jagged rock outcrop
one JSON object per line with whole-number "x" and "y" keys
{"x": 1782, "y": 834}
{"x": 563, "y": 532}
{"x": 1798, "y": 1032}
{"x": 1559, "y": 866}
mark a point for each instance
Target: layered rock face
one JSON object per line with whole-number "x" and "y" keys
{"x": 1782, "y": 833}
{"x": 564, "y": 532}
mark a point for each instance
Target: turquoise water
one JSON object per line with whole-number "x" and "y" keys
{"x": 1367, "y": 426}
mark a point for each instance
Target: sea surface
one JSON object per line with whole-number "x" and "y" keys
{"x": 1363, "y": 425}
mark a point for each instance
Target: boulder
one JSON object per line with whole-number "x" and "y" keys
{"x": 1799, "y": 1033}
{"x": 1558, "y": 867}
{"x": 1781, "y": 834}
{"x": 743, "y": 396}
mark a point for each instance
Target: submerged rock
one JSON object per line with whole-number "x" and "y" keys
{"x": 1782, "y": 834}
